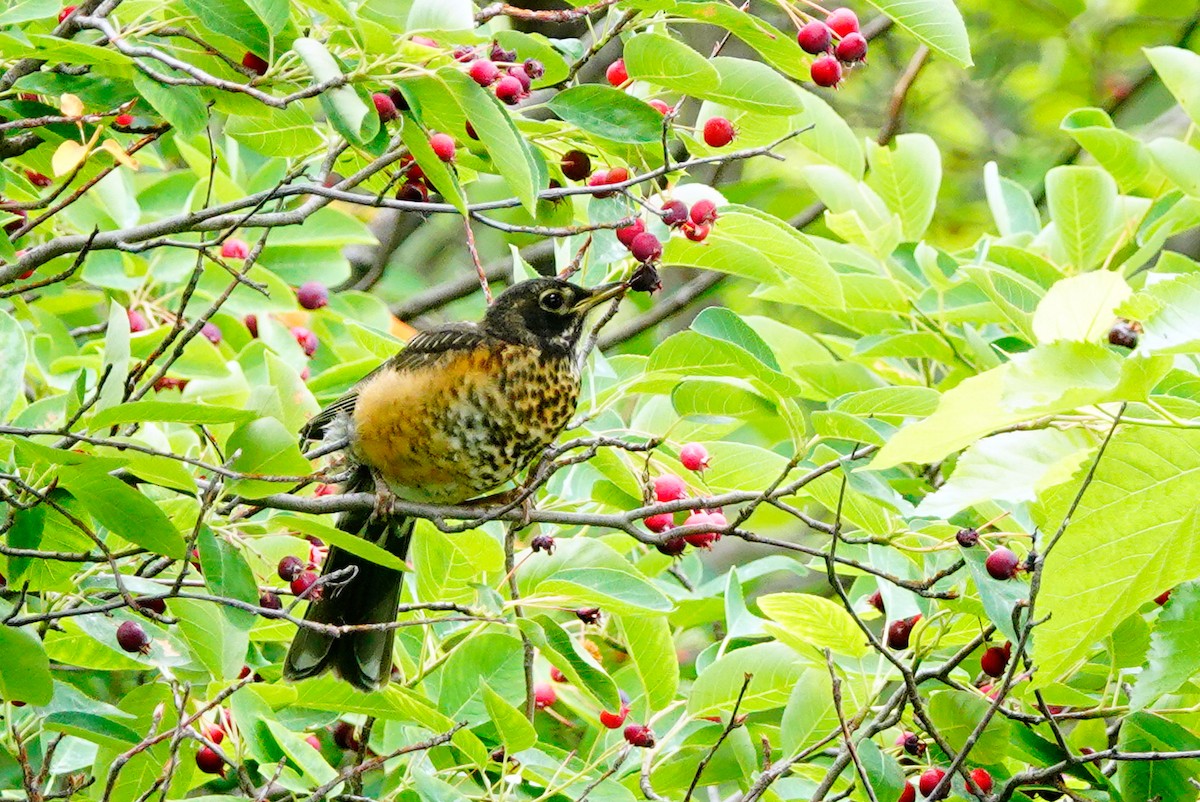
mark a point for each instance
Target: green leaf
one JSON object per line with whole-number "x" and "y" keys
{"x": 301, "y": 754}
{"x": 122, "y": 510}
{"x": 344, "y": 108}
{"x": 1173, "y": 656}
{"x": 235, "y": 19}
{"x": 448, "y": 567}
{"x": 279, "y": 132}
{"x": 608, "y": 112}
{"x": 576, "y": 664}
{"x": 182, "y": 106}
{"x": 882, "y": 770}
{"x": 436, "y": 171}
{"x": 226, "y": 573}
{"x": 724, "y": 324}
{"x": 1137, "y": 529}
{"x": 26, "y": 10}
{"x": 263, "y": 447}
{"x": 1082, "y": 203}
{"x": 811, "y": 623}
{"x": 116, "y": 357}
{"x": 516, "y": 733}
{"x": 718, "y": 398}
{"x": 810, "y": 715}
{"x": 12, "y": 345}
{"x": 25, "y": 669}
{"x": 1080, "y": 308}
{"x": 998, "y": 596}
{"x": 1174, "y": 325}
{"x": 272, "y": 12}
{"x": 1179, "y": 161}
{"x": 343, "y": 540}
{"x": 1179, "y": 70}
{"x": 906, "y": 174}
{"x": 168, "y": 411}
{"x": 441, "y": 15}
{"x": 774, "y": 668}
{"x": 1011, "y": 204}
{"x": 493, "y": 658}
{"x": 750, "y": 85}
{"x": 1164, "y": 780}
{"x": 652, "y": 649}
{"x": 669, "y": 63}
{"x": 621, "y": 592}
{"x": 957, "y": 713}
{"x": 937, "y": 23}
{"x": 1123, "y": 155}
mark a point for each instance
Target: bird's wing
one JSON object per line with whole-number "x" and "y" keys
{"x": 422, "y": 349}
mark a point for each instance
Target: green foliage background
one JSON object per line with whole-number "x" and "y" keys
{"x": 879, "y": 345}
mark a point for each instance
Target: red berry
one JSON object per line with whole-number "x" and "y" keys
{"x": 312, "y": 295}
{"x": 484, "y": 72}
{"x": 929, "y": 780}
{"x": 251, "y": 322}
{"x": 660, "y": 523}
{"x": 660, "y": 106}
{"x": 557, "y": 675}
{"x": 498, "y": 53}
{"x": 815, "y": 37}
{"x": 853, "y": 47}
{"x": 912, "y": 743}
{"x": 1160, "y": 599}
{"x": 588, "y": 615}
{"x": 314, "y": 742}
{"x": 694, "y": 232}
{"x": 993, "y": 661}
{"x": 909, "y": 794}
{"x": 65, "y": 12}
{"x": 346, "y": 737}
{"x": 718, "y": 132}
{"x": 213, "y": 732}
{"x": 289, "y": 568}
{"x": 1124, "y": 334}
{"x": 413, "y": 192}
{"x": 234, "y": 248}
{"x": 306, "y": 339}
{"x": 639, "y": 735}
{"x": 704, "y": 540}
{"x": 303, "y": 581}
{"x": 694, "y": 457}
{"x": 672, "y": 546}
{"x": 616, "y": 72}
{"x": 899, "y": 631}
{"x": 132, "y": 637}
{"x": 1001, "y": 564}
{"x": 843, "y": 21}
{"x": 876, "y": 601}
{"x": 123, "y": 120}
{"x": 674, "y": 213}
{"x": 211, "y": 332}
{"x": 209, "y": 761}
{"x": 618, "y": 175}
{"x": 576, "y": 165}
{"x": 544, "y": 695}
{"x": 424, "y": 41}
{"x": 982, "y": 780}
{"x": 826, "y": 71}
{"x": 270, "y": 600}
{"x": 703, "y": 211}
{"x": 137, "y": 321}
{"x": 967, "y": 537}
{"x": 614, "y": 720}
{"x": 646, "y": 247}
{"x": 38, "y": 179}
{"x": 255, "y": 64}
{"x": 542, "y": 543}
{"x": 669, "y": 487}
{"x": 384, "y": 107}
{"x": 443, "y": 146}
{"x": 534, "y": 68}
{"x": 626, "y": 234}
{"x": 522, "y": 76}
{"x": 509, "y": 90}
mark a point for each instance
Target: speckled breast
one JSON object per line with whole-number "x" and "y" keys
{"x": 456, "y": 430}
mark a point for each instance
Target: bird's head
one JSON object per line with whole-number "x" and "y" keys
{"x": 548, "y": 313}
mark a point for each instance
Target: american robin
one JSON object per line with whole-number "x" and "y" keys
{"x": 456, "y": 414}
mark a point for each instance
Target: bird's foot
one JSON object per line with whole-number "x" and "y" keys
{"x": 384, "y": 498}
{"x": 511, "y": 496}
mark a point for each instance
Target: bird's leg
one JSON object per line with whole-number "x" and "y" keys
{"x": 506, "y": 497}
{"x": 384, "y": 497}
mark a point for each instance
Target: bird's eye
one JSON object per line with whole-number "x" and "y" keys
{"x": 553, "y": 301}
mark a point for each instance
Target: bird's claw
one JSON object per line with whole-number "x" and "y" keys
{"x": 384, "y": 499}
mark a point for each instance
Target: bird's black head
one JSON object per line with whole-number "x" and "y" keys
{"x": 548, "y": 313}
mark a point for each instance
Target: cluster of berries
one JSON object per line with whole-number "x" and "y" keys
{"x": 498, "y": 68}
{"x": 835, "y": 42}
{"x": 695, "y": 223}
{"x": 670, "y": 487}
{"x": 545, "y": 696}
{"x": 299, "y": 575}
{"x": 416, "y": 187}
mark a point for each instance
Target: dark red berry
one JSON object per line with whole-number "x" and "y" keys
{"x": 1001, "y": 564}
{"x": 211, "y": 332}
{"x": 912, "y": 744}
{"x": 876, "y": 601}
{"x": 303, "y": 581}
{"x": 534, "y": 68}
{"x": 542, "y": 543}
{"x": 646, "y": 247}
{"x": 213, "y": 732}
{"x": 899, "y": 631}
{"x": 65, "y": 12}
{"x": 815, "y": 37}
{"x": 993, "y": 661}
{"x": 153, "y": 605}
{"x": 255, "y": 64}
{"x": 929, "y": 780}
{"x": 544, "y": 695}
{"x": 826, "y": 71}
{"x": 576, "y": 165}
{"x": 588, "y": 615}
{"x": 1124, "y": 334}
{"x": 645, "y": 279}
{"x": 852, "y": 48}
{"x": 132, "y": 637}
{"x": 413, "y": 192}
{"x": 843, "y": 21}
{"x": 15, "y": 225}
{"x": 346, "y": 736}
{"x": 509, "y": 90}
{"x": 639, "y": 735}
{"x": 312, "y": 295}
{"x": 626, "y": 234}
{"x": 38, "y": 179}
{"x": 270, "y": 600}
{"x": 463, "y": 53}
{"x": 209, "y": 761}
{"x": 672, "y": 546}
{"x": 398, "y": 99}
{"x": 251, "y": 322}
{"x": 674, "y": 213}
{"x": 519, "y": 73}
{"x": 616, "y": 72}
{"x": 557, "y": 675}
{"x": 718, "y": 132}
{"x": 694, "y": 457}
{"x": 289, "y": 567}
{"x": 385, "y": 107}
{"x": 614, "y": 721}
{"x": 234, "y": 248}
{"x": 1160, "y": 599}
{"x": 982, "y": 780}
{"x": 498, "y": 53}
{"x": 967, "y": 537}
{"x": 443, "y": 146}
{"x": 306, "y": 339}
{"x": 484, "y": 72}
{"x": 703, "y": 212}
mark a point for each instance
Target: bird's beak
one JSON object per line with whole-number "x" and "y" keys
{"x": 599, "y": 295}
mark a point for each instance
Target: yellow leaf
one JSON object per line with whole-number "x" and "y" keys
{"x": 119, "y": 154}
{"x": 70, "y": 105}
{"x": 70, "y": 154}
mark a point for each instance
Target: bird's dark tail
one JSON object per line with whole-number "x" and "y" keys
{"x": 372, "y": 596}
